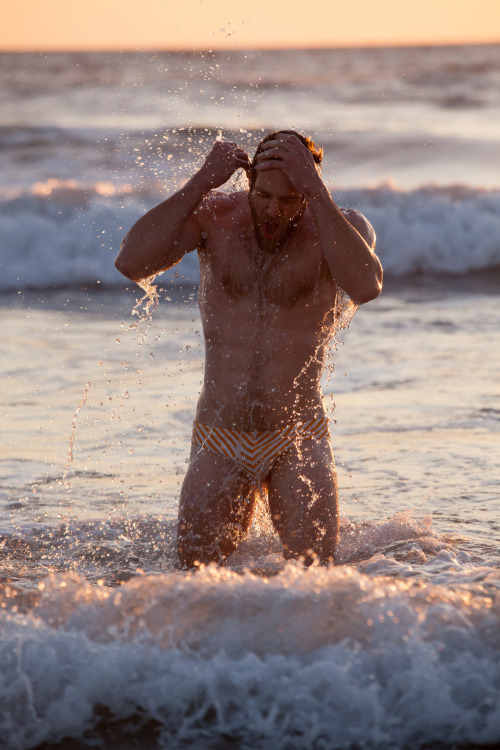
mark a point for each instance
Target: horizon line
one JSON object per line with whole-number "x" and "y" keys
{"x": 243, "y": 48}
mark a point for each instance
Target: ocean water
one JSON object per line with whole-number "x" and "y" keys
{"x": 102, "y": 642}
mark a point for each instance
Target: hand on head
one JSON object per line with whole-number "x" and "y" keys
{"x": 282, "y": 150}
{"x": 288, "y": 153}
{"x": 223, "y": 161}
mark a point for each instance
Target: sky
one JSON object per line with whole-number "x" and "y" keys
{"x": 43, "y": 25}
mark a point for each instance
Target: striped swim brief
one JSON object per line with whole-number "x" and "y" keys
{"x": 256, "y": 452}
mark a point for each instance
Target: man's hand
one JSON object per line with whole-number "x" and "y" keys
{"x": 222, "y": 162}
{"x": 287, "y": 153}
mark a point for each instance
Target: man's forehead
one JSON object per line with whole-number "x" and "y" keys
{"x": 274, "y": 181}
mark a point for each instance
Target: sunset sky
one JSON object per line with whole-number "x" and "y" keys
{"x": 187, "y": 24}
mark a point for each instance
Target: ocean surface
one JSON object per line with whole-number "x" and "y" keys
{"x": 102, "y": 642}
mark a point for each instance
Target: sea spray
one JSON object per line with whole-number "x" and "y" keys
{"x": 144, "y": 308}
{"x": 440, "y": 230}
{"x": 324, "y": 657}
{"x": 69, "y": 459}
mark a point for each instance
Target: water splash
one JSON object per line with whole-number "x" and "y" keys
{"x": 144, "y": 308}
{"x": 69, "y": 459}
{"x": 147, "y": 304}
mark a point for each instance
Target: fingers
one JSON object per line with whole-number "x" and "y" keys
{"x": 231, "y": 153}
{"x": 270, "y": 151}
{"x": 242, "y": 157}
{"x": 277, "y": 149}
{"x": 224, "y": 159}
{"x": 290, "y": 153}
{"x": 270, "y": 154}
{"x": 267, "y": 158}
{"x": 228, "y": 148}
{"x": 285, "y": 142}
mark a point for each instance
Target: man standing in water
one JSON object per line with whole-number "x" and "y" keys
{"x": 274, "y": 263}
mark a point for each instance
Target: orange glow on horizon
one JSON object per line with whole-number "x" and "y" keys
{"x": 66, "y": 25}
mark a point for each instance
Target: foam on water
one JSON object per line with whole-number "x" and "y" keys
{"x": 396, "y": 647}
{"x": 113, "y": 550}
{"x": 67, "y": 234}
{"x": 317, "y": 658}
{"x": 91, "y": 141}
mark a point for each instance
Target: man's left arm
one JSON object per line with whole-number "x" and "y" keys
{"x": 348, "y": 239}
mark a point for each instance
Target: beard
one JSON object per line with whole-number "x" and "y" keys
{"x": 271, "y": 234}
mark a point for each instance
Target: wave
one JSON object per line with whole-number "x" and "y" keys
{"x": 352, "y": 74}
{"x": 325, "y": 658}
{"x": 32, "y": 137}
{"x": 112, "y": 551}
{"x": 62, "y": 233}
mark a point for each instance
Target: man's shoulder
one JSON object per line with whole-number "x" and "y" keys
{"x": 361, "y": 224}
{"x": 217, "y": 205}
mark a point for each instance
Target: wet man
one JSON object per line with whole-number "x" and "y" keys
{"x": 274, "y": 262}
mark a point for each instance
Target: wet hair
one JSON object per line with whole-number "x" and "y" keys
{"x": 316, "y": 151}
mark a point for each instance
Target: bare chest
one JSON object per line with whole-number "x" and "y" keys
{"x": 238, "y": 269}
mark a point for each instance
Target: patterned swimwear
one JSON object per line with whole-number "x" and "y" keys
{"x": 256, "y": 452}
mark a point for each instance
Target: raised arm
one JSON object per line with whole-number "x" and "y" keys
{"x": 160, "y": 238}
{"x": 347, "y": 238}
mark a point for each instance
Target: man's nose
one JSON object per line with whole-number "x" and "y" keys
{"x": 274, "y": 209}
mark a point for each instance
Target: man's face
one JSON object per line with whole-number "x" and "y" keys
{"x": 275, "y": 206}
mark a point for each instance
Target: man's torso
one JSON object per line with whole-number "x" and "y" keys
{"x": 268, "y": 319}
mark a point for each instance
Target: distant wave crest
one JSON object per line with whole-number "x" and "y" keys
{"x": 65, "y": 233}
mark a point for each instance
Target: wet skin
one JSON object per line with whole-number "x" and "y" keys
{"x": 267, "y": 301}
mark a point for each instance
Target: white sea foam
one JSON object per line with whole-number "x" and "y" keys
{"x": 392, "y": 654}
{"x": 453, "y": 230}
{"x": 61, "y": 233}
{"x": 329, "y": 658}
{"x": 91, "y": 141}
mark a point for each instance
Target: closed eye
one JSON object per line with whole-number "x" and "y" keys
{"x": 283, "y": 199}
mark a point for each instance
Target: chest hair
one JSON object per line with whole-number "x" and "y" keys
{"x": 281, "y": 278}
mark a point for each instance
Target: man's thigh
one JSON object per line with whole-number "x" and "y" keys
{"x": 215, "y": 507}
{"x": 303, "y": 500}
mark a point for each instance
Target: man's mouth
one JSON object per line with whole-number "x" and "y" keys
{"x": 271, "y": 229}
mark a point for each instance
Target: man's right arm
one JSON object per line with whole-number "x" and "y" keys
{"x": 160, "y": 238}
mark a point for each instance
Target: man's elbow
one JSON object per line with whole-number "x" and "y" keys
{"x": 125, "y": 265}
{"x": 368, "y": 295}
{"x": 369, "y": 291}
{"x": 122, "y": 266}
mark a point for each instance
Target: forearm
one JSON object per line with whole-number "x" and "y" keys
{"x": 160, "y": 238}
{"x": 351, "y": 259}
{"x": 153, "y": 243}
